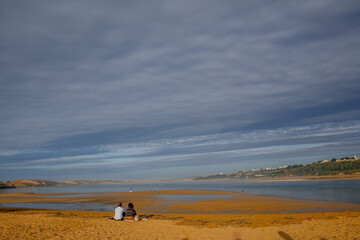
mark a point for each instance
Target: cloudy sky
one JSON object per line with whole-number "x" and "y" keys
{"x": 133, "y": 90}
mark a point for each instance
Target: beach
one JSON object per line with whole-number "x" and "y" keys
{"x": 224, "y": 215}
{"x": 48, "y": 224}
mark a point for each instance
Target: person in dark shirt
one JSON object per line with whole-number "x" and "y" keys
{"x": 130, "y": 213}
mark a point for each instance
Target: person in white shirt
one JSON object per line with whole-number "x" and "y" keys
{"x": 119, "y": 213}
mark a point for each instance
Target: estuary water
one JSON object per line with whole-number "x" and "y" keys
{"x": 332, "y": 191}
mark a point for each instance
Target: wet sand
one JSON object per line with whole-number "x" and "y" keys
{"x": 230, "y": 216}
{"x": 179, "y": 202}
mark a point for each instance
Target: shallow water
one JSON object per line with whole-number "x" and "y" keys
{"x": 68, "y": 196}
{"x": 192, "y": 198}
{"x": 333, "y": 191}
{"x": 91, "y": 207}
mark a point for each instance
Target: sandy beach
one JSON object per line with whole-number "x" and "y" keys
{"x": 230, "y": 216}
{"x": 48, "y": 224}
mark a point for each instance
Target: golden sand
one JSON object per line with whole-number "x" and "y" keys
{"x": 47, "y": 224}
{"x": 239, "y": 216}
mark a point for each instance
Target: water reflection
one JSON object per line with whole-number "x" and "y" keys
{"x": 193, "y": 198}
{"x": 88, "y": 207}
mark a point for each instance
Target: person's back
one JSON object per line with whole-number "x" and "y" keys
{"x": 130, "y": 212}
{"x": 119, "y": 212}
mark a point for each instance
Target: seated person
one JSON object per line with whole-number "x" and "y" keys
{"x": 130, "y": 213}
{"x": 119, "y": 213}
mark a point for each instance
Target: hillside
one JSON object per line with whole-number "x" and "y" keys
{"x": 334, "y": 167}
{"x": 43, "y": 183}
{"x": 33, "y": 183}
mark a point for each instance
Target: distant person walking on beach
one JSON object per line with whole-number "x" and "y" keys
{"x": 119, "y": 213}
{"x": 130, "y": 213}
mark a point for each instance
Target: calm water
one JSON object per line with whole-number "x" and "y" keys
{"x": 193, "y": 198}
{"x": 333, "y": 191}
{"x": 91, "y": 207}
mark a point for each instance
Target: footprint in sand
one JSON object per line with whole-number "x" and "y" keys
{"x": 285, "y": 235}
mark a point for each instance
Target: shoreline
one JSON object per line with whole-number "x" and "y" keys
{"x": 164, "y": 215}
{"x": 349, "y": 177}
{"x": 180, "y": 202}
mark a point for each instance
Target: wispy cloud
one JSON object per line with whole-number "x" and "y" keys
{"x": 192, "y": 151}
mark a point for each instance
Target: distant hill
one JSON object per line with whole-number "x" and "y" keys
{"x": 333, "y": 167}
{"x": 92, "y": 182}
{"x": 33, "y": 183}
{"x": 43, "y": 183}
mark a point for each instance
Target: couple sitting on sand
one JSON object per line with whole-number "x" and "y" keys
{"x": 127, "y": 215}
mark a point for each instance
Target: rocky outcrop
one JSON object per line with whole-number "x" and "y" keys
{"x": 33, "y": 183}
{"x": 6, "y": 185}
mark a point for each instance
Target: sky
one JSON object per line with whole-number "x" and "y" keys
{"x": 152, "y": 90}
